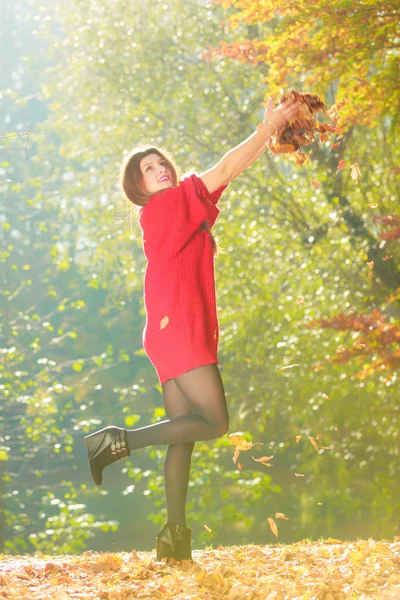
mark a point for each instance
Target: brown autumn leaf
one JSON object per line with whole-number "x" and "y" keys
{"x": 239, "y": 466}
{"x": 264, "y": 460}
{"x": 341, "y": 165}
{"x": 313, "y": 442}
{"x": 316, "y": 184}
{"x": 235, "y": 456}
{"x": 387, "y": 257}
{"x": 240, "y": 443}
{"x": 281, "y": 516}
{"x": 303, "y": 126}
{"x": 371, "y": 264}
{"x": 273, "y": 526}
{"x": 355, "y": 172}
{"x": 164, "y": 322}
{"x": 319, "y": 569}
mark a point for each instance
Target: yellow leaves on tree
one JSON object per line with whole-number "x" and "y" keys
{"x": 349, "y": 44}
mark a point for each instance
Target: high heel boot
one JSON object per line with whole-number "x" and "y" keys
{"x": 174, "y": 541}
{"x": 105, "y": 447}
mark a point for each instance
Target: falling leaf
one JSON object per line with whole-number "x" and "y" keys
{"x": 264, "y": 460}
{"x": 164, "y": 322}
{"x": 387, "y": 257}
{"x": 239, "y": 466}
{"x": 206, "y": 527}
{"x": 318, "y": 438}
{"x": 235, "y": 456}
{"x": 341, "y": 349}
{"x": 373, "y": 204}
{"x": 325, "y": 397}
{"x": 335, "y": 429}
{"x": 355, "y": 172}
{"x": 240, "y": 443}
{"x": 371, "y": 264}
{"x": 281, "y": 516}
{"x": 298, "y": 438}
{"x": 289, "y": 367}
{"x": 299, "y": 300}
{"x": 316, "y": 184}
{"x": 336, "y": 145}
{"x": 273, "y": 526}
{"x": 313, "y": 442}
{"x": 299, "y": 475}
{"x": 341, "y": 165}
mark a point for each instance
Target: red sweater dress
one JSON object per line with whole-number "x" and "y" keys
{"x": 181, "y": 331}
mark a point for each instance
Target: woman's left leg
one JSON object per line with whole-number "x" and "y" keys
{"x": 178, "y": 457}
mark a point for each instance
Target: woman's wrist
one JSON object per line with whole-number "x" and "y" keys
{"x": 265, "y": 123}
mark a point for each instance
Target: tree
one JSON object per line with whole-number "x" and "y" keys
{"x": 349, "y": 46}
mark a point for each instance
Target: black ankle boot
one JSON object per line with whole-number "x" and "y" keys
{"x": 105, "y": 447}
{"x": 174, "y": 541}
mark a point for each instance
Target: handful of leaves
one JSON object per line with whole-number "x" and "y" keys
{"x": 301, "y": 130}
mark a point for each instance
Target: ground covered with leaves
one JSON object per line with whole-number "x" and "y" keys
{"x": 326, "y": 570}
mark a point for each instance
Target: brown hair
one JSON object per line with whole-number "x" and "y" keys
{"x": 131, "y": 179}
{"x": 131, "y": 175}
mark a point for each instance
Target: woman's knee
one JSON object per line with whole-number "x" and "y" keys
{"x": 221, "y": 426}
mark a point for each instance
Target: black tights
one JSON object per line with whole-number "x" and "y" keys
{"x": 196, "y": 409}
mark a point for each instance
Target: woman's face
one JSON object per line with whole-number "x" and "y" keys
{"x": 156, "y": 175}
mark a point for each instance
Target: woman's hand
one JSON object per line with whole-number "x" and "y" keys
{"x": 282, "y": 114}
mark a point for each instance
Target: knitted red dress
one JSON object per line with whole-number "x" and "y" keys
{"x": 181, "y": 331}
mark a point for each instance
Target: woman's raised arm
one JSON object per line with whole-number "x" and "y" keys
{"x": 235, "y": 161}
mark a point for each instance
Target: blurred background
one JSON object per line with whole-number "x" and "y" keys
{"x": 308, "y": 280}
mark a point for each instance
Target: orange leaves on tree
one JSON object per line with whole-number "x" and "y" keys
{"x": 376, "y": 338}
{"x": 341, "y": 166}
{"x": 394, "y": 222}
{"x": 304, "y": 39}
{"x": 316, "y": 184}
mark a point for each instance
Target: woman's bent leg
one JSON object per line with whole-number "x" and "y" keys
{"x": 204, "y": 391}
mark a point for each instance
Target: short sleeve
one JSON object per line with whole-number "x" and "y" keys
{"x": 171, "y": 217}
{"x": 210, "y": 200}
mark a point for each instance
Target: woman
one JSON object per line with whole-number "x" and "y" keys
{"x": 181, "y": 331}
